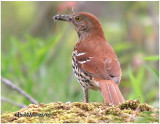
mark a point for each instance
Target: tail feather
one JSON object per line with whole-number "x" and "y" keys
{"x": 111, "y": 92}
{"x": 119, "y": 94}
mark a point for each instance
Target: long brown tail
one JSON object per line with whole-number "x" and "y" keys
{"x": 111, "y": 92}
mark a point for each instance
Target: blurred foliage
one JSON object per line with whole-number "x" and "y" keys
{"x": 151, "y": 58}
{"x": 36, "y": 51}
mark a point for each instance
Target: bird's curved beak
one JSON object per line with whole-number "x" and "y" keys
{"x": 62, "y": 17}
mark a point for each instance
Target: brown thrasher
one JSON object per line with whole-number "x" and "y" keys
{"x": 94, "y": 62}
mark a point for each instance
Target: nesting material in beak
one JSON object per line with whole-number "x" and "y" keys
{"x": 62, "y": 17}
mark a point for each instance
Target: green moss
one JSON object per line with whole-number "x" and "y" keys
{"x": 129, "y": 111}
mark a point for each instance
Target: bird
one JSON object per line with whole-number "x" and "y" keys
{"x": 94, "y": 62}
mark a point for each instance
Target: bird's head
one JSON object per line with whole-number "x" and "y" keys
{"x": 84, "y": 23}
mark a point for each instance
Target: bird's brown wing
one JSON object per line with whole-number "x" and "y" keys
{"x": 102, "y": 63}
{"x": 112, "y": 67}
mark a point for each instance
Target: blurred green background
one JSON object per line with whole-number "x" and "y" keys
{"x": 36, "y": 51}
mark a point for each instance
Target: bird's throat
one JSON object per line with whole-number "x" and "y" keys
{"x": 82, "y": 35}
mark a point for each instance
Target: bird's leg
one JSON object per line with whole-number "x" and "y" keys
{"x": 85, "y": 91}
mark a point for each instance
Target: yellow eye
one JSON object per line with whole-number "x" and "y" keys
{"x": 78, "y": 18}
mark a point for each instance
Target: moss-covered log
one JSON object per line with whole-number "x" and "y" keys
{"x": 130, "y": 111}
